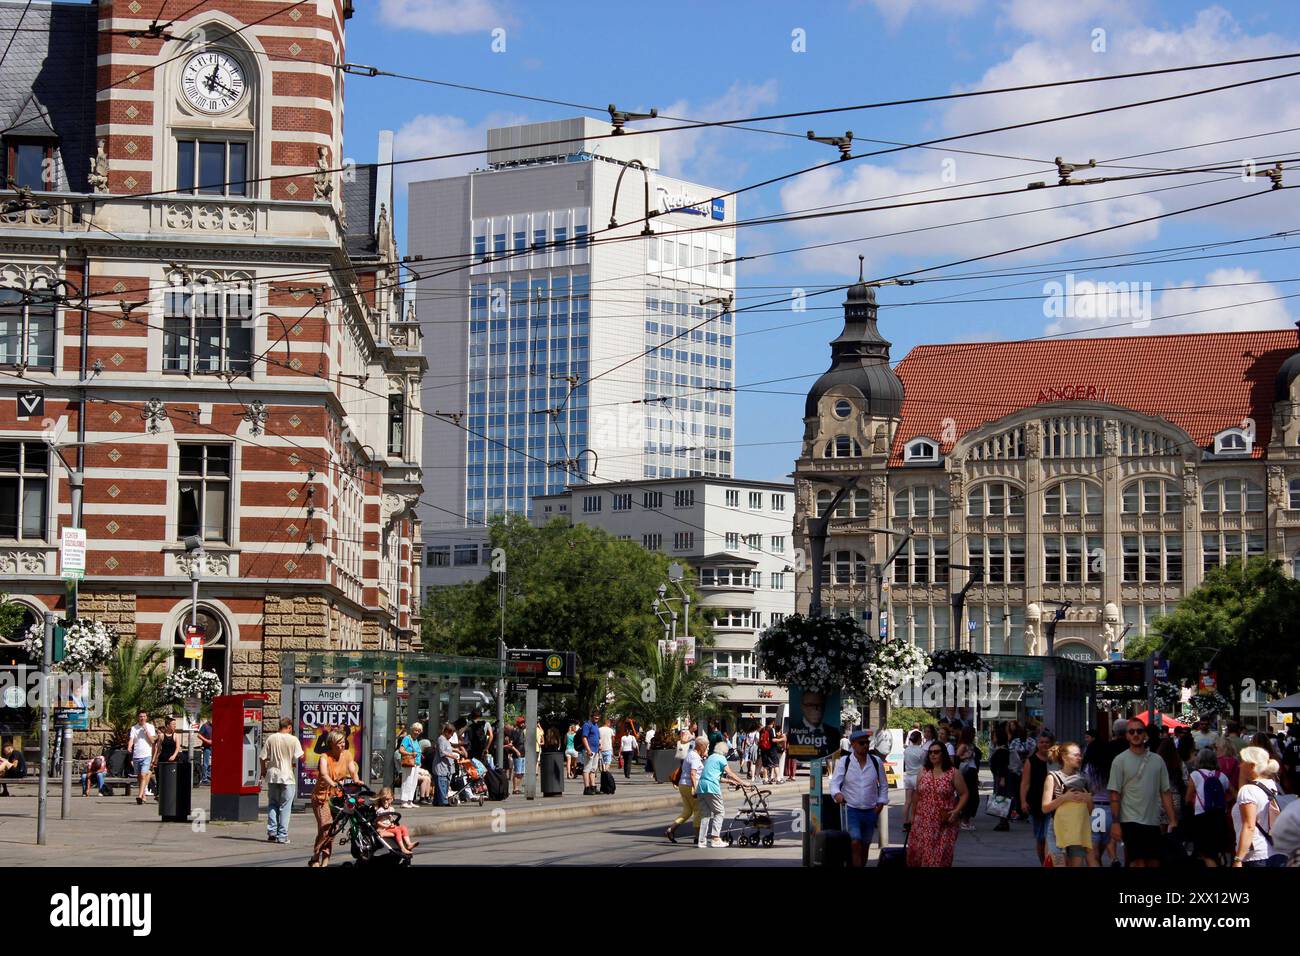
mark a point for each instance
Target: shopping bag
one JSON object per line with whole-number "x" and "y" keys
{"x": 998, "y": 806}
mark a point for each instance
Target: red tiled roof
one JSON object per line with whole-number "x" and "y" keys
{"x": 1202, "y": 382}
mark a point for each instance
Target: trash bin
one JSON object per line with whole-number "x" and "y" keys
{"x": 174, "y": 780}
{"x": 552, "y": 773}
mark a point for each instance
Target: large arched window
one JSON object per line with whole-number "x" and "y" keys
{"x": 1072, "y": 497}
{"x": 1232, "y": 496}
{"x": 216, "y": 644}
{"x": 844, "y": 567}
{"x": 12, "y": 653}
{"x": 842, "y": 446}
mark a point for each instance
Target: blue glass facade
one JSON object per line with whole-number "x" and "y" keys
{"x": 529, "y": 334}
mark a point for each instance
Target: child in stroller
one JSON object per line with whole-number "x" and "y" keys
{"x": 386, "y": 822}
{"x": 356, "y": 823}
{"x": 468, "y": 782}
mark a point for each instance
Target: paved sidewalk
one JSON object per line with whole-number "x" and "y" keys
{"x": 114, "y": 831}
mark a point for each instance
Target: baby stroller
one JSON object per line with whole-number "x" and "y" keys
{"x": 753, "y": 821}
{"x": 356, "y": 824}
{"x": 468, "y": 783}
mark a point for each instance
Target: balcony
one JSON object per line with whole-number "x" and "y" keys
{"x": 39, "y": 210}
{"x": 404, "y": 337}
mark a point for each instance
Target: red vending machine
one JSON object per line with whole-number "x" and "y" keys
{"x": 236, "y": 744}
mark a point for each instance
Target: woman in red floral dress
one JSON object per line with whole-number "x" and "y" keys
{"x": 940, "y": 795}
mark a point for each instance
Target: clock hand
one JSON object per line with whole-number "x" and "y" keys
{"x": 226, "y": 88}
{"x": 211, "y": 81}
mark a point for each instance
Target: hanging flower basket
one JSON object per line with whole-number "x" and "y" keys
{"x": 835, "y": 655}
{"x": 1206, "y": 706}
{"x": 956, "y": 661}
{"x": 191, "y": 682}
{"x": 87, "y": 645}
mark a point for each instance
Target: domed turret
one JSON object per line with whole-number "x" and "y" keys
{"x": 860, "y": 359}
{"x": 1287, "y": 374}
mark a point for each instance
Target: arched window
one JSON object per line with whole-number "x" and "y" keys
{"x": 216, "y": 644}
{"x": 1232, "y": 496}
{"x": 1234, "y": 441}
{"x": 13, "y": 654}
{"x": 995, "y": 498}
{"x": 921, "y": 450}
{"x": 1072, "y": 497}
{"x": 1293, "y": 493}
{"x": 1151, "y": 496}
{"x": 842, "y": 446}
{"x": 844, "y": 567}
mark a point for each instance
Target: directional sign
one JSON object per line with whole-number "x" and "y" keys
{"x": 31, "y": 404}
{"x": 543, "y": 669}
{"x": 72, "y": 552}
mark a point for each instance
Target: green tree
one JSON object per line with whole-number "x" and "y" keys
{"x": 659, "y": 688}
{"x": 568, "y": 588}
{"x": 1243, "y": 616}
{"x": 133, "y": 680}
{"x": 11, "y": 618}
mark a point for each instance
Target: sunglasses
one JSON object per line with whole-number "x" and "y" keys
{"x": 933, "y": 752}
{"x": 1131, "y": 731}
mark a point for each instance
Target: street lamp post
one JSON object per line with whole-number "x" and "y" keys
{"x": 194, "y": 547}
{"x": 959, "y": 599}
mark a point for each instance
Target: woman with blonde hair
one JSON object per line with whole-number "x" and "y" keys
{"x": 336, "y": 765}
{"x": 1256, "y": 810}
{"x": 1067, "y": 797}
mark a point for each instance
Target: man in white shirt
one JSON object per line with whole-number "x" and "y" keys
{"x": 281, "y": 752}
{"x": 859, "y": 785}
{"x": 606, "y": 739}
{"x": 140, "y": 743}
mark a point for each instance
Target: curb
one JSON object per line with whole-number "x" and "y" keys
{"x": 484, "y": 821}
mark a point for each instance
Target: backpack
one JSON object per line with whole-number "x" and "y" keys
{"x": 1274, "y": 809}
{"x": 765, "y": 739}
{"x": 1212, "y": 793}
{"x": 477, "y": 738}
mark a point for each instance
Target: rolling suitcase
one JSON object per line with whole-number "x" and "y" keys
{"x": 833, "y": 848}
{"x": 894, "y": 857}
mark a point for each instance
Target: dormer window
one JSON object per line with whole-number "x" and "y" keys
{"x": 1234, "y": 441}
{"x": 921, "y": 451}
{"x": 30, "y": 163}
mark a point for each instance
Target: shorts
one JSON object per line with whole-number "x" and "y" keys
{"x": 141, "y": 765}
{"x": 1040, "y": 825}
{"x": 861, "y": 824}
{"x": 1102, "y": 818}
{"x": 1079, "y": 852}
{"x": 571, "y": 753}
{"x": 592, "y": 764}
{"x": 1142, "y": 842}
{"x": 768, "y": 757}
{"x": 909, "y": 780}
{"x": 606, "y": 759}
{"x": 519, "y": 764}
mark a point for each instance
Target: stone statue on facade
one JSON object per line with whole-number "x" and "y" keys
{"x": 323, "y": 181}
{"x": 880, "y": 442}
{"x": 1031, "y": 640}
{"x": 98, "y": 177}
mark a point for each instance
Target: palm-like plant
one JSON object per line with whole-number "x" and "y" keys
{"x": 660, "y": 689}
{"x": 133, "y": 680}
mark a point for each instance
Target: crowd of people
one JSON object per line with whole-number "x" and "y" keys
{"x": 1135, "y": 798}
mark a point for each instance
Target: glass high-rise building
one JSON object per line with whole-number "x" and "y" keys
{"x": 535, "y": 316}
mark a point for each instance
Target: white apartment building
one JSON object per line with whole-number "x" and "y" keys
{"x": 735, "y": 539}
{"x": 537, "y": 313}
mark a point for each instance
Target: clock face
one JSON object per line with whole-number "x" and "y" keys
{"x": 212, "y": 82}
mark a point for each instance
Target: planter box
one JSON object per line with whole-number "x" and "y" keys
{"x": 663, "y": 763}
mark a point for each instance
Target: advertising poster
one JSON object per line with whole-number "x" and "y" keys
{"x": 814, "y": 724}
{"x": 319, "y": 709}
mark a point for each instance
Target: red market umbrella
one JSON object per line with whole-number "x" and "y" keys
{"x": 1165, "y": 719}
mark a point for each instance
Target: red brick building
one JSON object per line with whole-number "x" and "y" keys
{"x": 246, "y": 372}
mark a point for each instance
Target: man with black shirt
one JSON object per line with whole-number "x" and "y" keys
{"x": 480, "y": 738}
{"x": 515, "y": 753}
{"x": 12, "y": 766}
{"x": 1032, "y": 778}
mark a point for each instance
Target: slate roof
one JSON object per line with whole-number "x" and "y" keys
{"x": 1201, "y": 382}
{"x": 48, "y": 86}
{"x": 359, "y": 208}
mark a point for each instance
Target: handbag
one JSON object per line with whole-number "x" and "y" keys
{"x": 997, "y": 806}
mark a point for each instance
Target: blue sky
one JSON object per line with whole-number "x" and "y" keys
{"x": 724, "y": 60}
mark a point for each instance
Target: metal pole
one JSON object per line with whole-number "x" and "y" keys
{"x": 530, "y": 744}
{"x": 501, "y": 675}
{"x": 195, "y": 571}
{"x": 47, "y": 664}
{"x": 65, "y": 805}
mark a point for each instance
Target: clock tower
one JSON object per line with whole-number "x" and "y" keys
{"x": 218, "y": 101}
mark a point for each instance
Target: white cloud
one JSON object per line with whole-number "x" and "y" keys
{"x": 434, "y": 135}
{"x": 442, "y": 16}
{"x": 1053, "y": 19}
{"x": 1240, "y": 299}
{"x": 710, "y": 155}
{"x": 1209, "y": 35}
